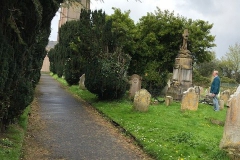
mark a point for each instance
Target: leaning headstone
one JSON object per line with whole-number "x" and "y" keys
{"x": 82, "y": 82}
{"x": 231, "y": 136}
{"x": 168, "y": 100}
{"x": 190, "y": 100}
{"x": 135, "y": 85}
{"x": 221, "y": 104}
{"x": 142, "y": 100}
{"x": 225, "y": 95}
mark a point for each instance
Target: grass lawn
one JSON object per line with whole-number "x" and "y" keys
{"x": 11, "y": 141}
{"x": 165, "y": 132}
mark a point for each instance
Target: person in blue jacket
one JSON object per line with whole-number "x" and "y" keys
{"x": 215, "y": 87}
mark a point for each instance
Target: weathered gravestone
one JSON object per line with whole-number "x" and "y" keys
{"x": 81, "y": 82}
{"x": 225, "y": 95}
{"x": 221, "y": 104}
{"x": 197, "y": 91}
{"x": 142, "y": 100}
{"x": 231, "y": 136}
{"x": 168, "y": 100}
{"x": 190, "y": 100}
{"x": 135, "y": 85}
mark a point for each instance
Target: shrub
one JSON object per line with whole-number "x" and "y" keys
{"x": 22, "y": 49}
{"x": 106, "y": 75}
{"x": 199, "y": 80}
{"x": 228, "y": 80}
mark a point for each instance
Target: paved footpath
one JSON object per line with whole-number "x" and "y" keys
{"x": 73, "y": 132}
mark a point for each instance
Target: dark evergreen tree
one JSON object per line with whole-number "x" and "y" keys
{"x": 24, "y": 32}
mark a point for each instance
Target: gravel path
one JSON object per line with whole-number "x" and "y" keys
{"x": 72, "y": 132}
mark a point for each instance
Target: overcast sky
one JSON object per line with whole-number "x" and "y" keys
{"x": 224, "y": 14}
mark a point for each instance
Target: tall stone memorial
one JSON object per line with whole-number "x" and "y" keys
{"x": 182, "y": 71}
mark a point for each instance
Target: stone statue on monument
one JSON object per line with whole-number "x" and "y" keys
{"x": 184, "y": 52}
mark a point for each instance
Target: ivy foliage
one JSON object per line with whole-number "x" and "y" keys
{"x": 24, "y": 32}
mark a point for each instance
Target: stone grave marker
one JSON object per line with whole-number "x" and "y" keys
{"x": 135, "y": 85}
{"x": 81, "y": 82}
{"x": 221, "y": 104}
{"x": 225, "y": 95}
{"x": 202, "y": 92}
{"x": 168, "y": 100}
{"x": 231, "y": 137}
{"x": 190, "y": 100}
{"x": 142, "y": 100}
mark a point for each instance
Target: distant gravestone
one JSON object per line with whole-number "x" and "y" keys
{"x": 221, "y": 104}
{"x": 168, "y": 100}
{"x": 197, "y": 91}
{"x": 207, "y": 91}
{"x": 135, "y": 85}
{"x": 142, "y": 100}
{"x": 225, "y": 95}
{"x": 82, "y": 82}
{"x": 190, "y": 100}
{"x": 202, "y": 92}
{"x": 231, "y": 136}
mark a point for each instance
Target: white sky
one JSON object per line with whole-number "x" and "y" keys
{"x": 224, "y": 14}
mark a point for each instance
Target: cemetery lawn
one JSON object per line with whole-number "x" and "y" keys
{"x": 165, "y": 132}
{"x": 11, "y": 141}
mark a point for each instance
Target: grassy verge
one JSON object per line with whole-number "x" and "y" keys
{"x": 11, "y": 141}
{"x": 165, "y": 132}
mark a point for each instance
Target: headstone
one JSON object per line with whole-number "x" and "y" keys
{"x": 221, "y": 104}
{"x": 225, "y": 95}
{"x": 197, "y": 90}
{"x": 231, "y": 136}
{"x": 201, "y": 90}
{"x": 142, "y": 100}
{"x": 82, "y": 82}
{"x": 190, "y": 100}
{"x": 206, "y": 92}
{"x": 168, "y": 100}
{"x": 135, "y": 85}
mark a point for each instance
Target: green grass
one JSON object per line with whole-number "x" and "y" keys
{"x": 165, "y": 132}
{"x": 11, "y": 141}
